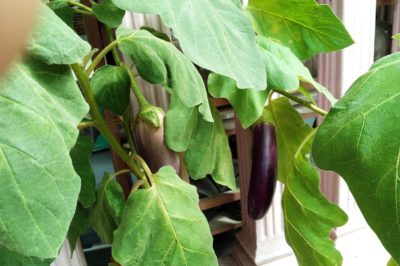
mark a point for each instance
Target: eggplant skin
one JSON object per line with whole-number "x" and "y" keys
{"x": 264, "y": 170}
{"x": 151, "y": 146}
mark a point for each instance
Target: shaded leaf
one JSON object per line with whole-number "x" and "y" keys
{"x": 159, "y": 62}
{"x": 180, "y": 125}
{"x": 285, "y": 70}
{"x": 248, "y": 103}
{"x": 79, "y": 225}
{"x": 106, "y": 213}
{"x": 220, "y": 38}
{"x": 107, "y": 13}
{"x": 158, "y": 34}
{"x": 305, "y": 26}
{"x": 80, "y": 155}
{"x": 209, "y": 152}
{"x": 53, "y": 42}
{"x": 159, "y": 223}
{"x": 308, "y": 215}
{"x": 62, "y": 9}
{"x": 8, "y": 257}
{"x": 359, "y": 140}
{"x": 41, "y": 107}
{"x": 111, "y": 88}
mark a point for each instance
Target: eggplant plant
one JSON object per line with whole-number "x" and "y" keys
{"x": 56, "y": 90}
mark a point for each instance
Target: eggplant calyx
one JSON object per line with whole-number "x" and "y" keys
{"x": 152, "y": 115}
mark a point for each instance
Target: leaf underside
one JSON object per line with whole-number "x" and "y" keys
{"x": 308, "y": 215}
{"x": 215, "y": 35}
{"x": 359, "y": 140}
{"x": 157, "y": 229}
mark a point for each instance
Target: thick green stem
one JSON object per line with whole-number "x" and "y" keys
{"x": 100, "y": 123}
{"x": 83, "y": 12}
{"x": 302, "y": 102}
{"x": 84, "y": 125}
{"x": 114, "y": 50}
{"x": 142, "y": 101}
{"x": 100, "y": 57}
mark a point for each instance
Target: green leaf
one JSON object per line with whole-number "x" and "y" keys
{"x": 180, "y": 125}
{"x": 359, "y": 140}
{"x": 79, "y": 225}
{"x": 80, "y": 155}
{"x": 285, "y": 70}
{"x": 156, "y": 33}
{"x": 159, "y": 62}
{"x": 391, "y": 262}
{"x": 106, "y": 213}
{"x": 41, "y": 107}
{"x": 209, "y": 152}
{"x": 215, "y": 35}
{"x": 308, "y": 215}
{"x": 305, "y": 26}
{"x": 107, "y": 13}
{"x": 167, "y": 216}
{"x": 248, "y": 103}
{"x": 53, "y": 42}
{"x": 111, "y": 87}
{"x": 62, "y": 9}
{"x": 8, "y": 257}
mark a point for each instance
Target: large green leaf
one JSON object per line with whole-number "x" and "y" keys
{"x": 80, "y": 155}
{"x": 248, "y": 103}
{"x": 53, "y": 42}
{"x": 107, "y": 13}
{"x": 215, "y": 35}
{"x": 111, "y": 87}
{"x": 40, "y": 108}
{"x": 209, "y": 152}
{"x": 163, "y": 225}
{"x": 13, "y": 258}
{"x": 62, "y": 9}
{"x": 79, "y": 225}
{"x": 359, "y": 140}
{"x": 285, "y": 70}
{"x": 159, "y": 62}
{"x": 106, "y": 213}
{"x": 308, "y": 215}
{"x": 305, "y": 26}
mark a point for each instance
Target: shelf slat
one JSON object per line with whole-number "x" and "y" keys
{"x": 223, "y": 198}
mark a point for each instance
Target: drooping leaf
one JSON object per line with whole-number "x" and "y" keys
{"x": 248, "y": 103}
{"x": 180, "y": 125}
{"x": 285, "y": 70}
{"x": 53, "y": 42}
{"x": 215, "y": 35}
{"x": 80, "y": 155}
{"x": 79, "y": 225}
{"x": 305, "y": 26}
{"x": 111, "y": 88}
{"x": 159, "y": 225}
{"x": 62, "y": 9}
{"x": 209, "y": 152}
{"x": 359, "y": 140}
{"x": 159, "y": 62}
{"x": 107, "y": 13}
{"x": 106, "y": 213}
{"x": 308, "y": 215}
{"x": 41, "y": 107}
{"x": 158, "y": 34}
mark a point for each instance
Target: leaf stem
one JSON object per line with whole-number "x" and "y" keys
{"x": 121, "y": 172}
{"x": 100, "y": 56}
{"x": 81, "y": 6}
{"x": 142, "y": 101}
{"x": 100, "y": 123}
{"x": 305, "y": 103}
{"x": 83, "y": 12}
{"x": 304, "y": 142}
{"x": 114, "y": 50}
{"x": 137, "y": 185}
{"x": 84, "y": 125}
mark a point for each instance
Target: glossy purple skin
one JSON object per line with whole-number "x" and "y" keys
{"x": 263, "y": 171}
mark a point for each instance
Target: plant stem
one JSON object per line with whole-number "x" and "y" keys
{"x": 99, "y": 57}
{"x": 302, "y": 102}
{"x": 81, "y": 6}
{"x": 100, "y": 123}
{"x": 304, "y": 142}
{"x": 142, "y": 101}
{"x": 126, "y": 123}
{"x": 137, "y": 185}
{"x": 84, "y": 125}
{"x": 114, "y": 51}
{"x": 83, "y": 12}
{"x": 121, "y": 172}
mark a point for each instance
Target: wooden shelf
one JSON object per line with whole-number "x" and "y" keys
{"x": 221, "y": 223}
{"x": 223, "y": 198}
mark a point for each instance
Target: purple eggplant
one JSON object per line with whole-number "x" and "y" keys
{"x": 150, "y": 142}
{"x": 263, "y": 171}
